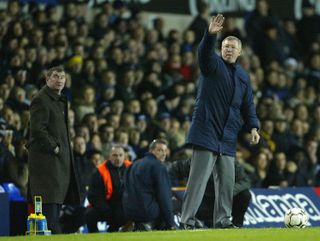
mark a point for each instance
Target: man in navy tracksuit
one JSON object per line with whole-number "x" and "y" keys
{"x": 223, "y": 101}
{"x": 147, "y": 190}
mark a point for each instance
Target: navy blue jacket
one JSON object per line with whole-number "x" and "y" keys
{"x": 147, "y": 191}
{"x": 224, "y": 101}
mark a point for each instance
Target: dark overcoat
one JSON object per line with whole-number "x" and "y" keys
{"x": 51, "y": 174}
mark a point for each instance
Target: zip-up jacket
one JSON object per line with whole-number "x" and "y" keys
{"x": 147, "y": 194}
{"x": 224, "y": 102}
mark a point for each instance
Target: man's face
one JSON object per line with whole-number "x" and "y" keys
{"x": 117, "y": 156}
{"x": 80, "y": 145}
{"x": 96, "y": 159}
{"x": 107, "y": 134}
{"x": 160, "y": 151}
{"x": 230, "y": 50}
{"x": 56, "y": 81}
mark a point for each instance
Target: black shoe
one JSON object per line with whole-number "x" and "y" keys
{"x": 199, "y": 224}
{"x": 185, "y": 226}
{"x": 146, "y": 226}
{"x": 171, "y": 228}
{"x": 230, "y": 226}
{"x": 127, "y": 227}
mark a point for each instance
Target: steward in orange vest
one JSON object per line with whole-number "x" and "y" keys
{"x": 106, "y": 176}
{"x": 105, "y": 192}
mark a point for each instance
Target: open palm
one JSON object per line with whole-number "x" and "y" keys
{"x": 216, "y": 24}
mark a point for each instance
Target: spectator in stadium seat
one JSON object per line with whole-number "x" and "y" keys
{"x": 134, "y": 107}
{"x": 106, "y": 135}
{"x": 282, "y": 136}
{"x": 6, "y": 152}
{"x": 200, "y": 22}
{"x": 85, "y": 103}
{"x": 306, "y": 163}
{"x": 17, "y": 99}
{"x": 122, "y": 137}
{"x": 158, "y": 24}
{"x": 279, "y": 174}
{"x": 224, "y": 96}
{"x": 298, "y": 132}
{"x": 72, "y": 216}
{"x": 290, "y": 38}
{"x": 100, "y": 26}
{"x": 126, "y": 87}
{"x": 266, "y": 132}
{"x": 274, "y": 47}
{"x": 231, "y": 28}
{"x": 127, "y": 120}
{"x": 84, "y": 167}
{"x": 313, "y": 68}
{"x": 89, "y": 72}
{"x": 17, "y": 168}
{"x": 105, "y": 192}
{"x": 188, "y": 41}
{"x": 51, "y": 165}
{"x": 315, "y": 124}
{"x": 95, "y": 157}
{"x": 187, "y": 66}
{"x": 255, "y": 22}
{"x": 147, "y": 190}
{"x": 308, "y": 26}
{"x": 261, "y": 164}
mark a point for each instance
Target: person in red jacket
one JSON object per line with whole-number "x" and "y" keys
{"x": 105, "y": 192}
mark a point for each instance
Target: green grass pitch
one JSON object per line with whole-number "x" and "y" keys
{"x": 258, "y": 234}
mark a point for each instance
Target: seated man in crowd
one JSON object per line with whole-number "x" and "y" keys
{"x": 179, "y": 171}
{"x": 105, "y": 192}
{"x": 147, "y": 191}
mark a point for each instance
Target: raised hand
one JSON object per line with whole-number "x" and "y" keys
{"x": 216, "y": 24}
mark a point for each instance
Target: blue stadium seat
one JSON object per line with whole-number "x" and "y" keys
{"x": 13, "y": 191}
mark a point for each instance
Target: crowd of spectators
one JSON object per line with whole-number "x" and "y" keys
{"x": 129, "y": 84}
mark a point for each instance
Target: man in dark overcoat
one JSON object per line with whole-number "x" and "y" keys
{"x": 51, "y": 167}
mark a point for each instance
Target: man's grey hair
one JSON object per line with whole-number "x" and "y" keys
{"x": 233, "y": 38}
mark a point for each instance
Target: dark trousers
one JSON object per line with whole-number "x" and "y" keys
{"x": 115, "y": 219}
{"x": 52, "y": 213}
{"x": 72, "y": 218}
{"x": 240, "y": 205}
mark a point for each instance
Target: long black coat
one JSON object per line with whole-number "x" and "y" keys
{"x": 51, "y": 174}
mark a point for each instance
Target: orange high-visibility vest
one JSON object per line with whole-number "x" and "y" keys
{"x": 107, "y": 181}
